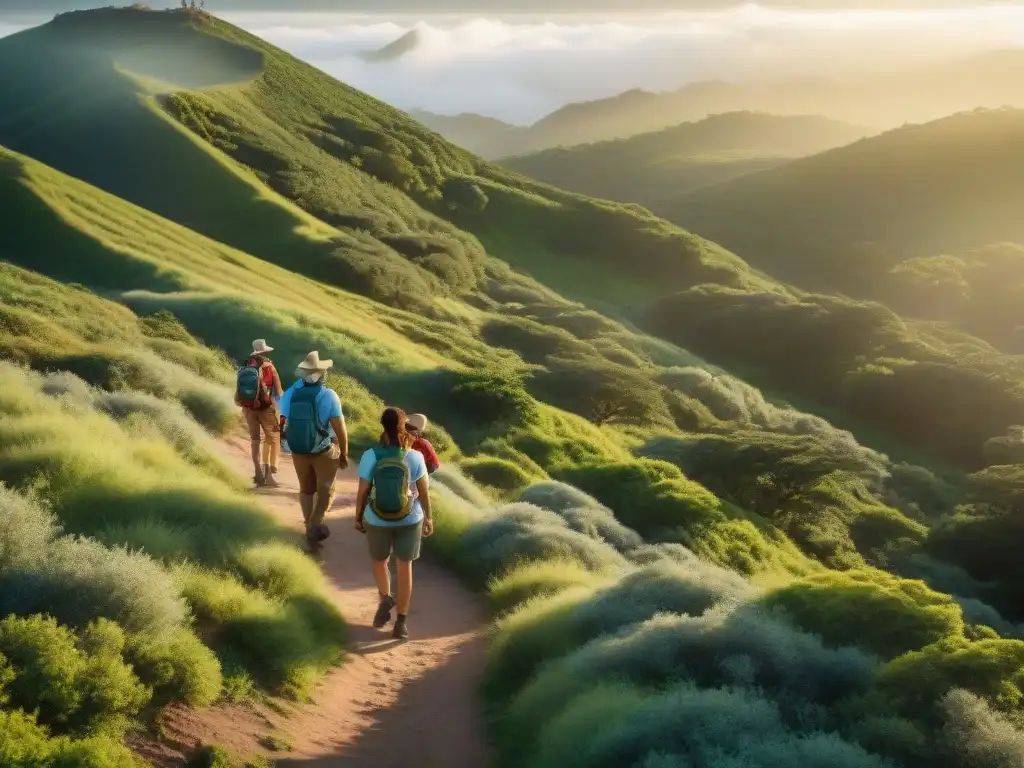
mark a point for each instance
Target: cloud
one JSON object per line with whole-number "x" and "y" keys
{"x": 518, "y": 68}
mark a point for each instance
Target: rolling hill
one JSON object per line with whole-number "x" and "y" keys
{"x": 173, "y": 187}
{"x": 881, "y": 101}
{"x": 648, "y": 168}
{"x": 851, "y": 214}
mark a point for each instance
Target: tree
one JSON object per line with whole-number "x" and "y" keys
{"x": 602, "y": 391}
{"x": 774, "y": 475}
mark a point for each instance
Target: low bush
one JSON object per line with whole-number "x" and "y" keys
{"x": 886, "y": 615}
{"x": 652, "y": 497}
{"x": 913, "y": 684}
{"x": 975, "y": 736}
{"x": 75, "y": 684}
{"x": 538, "y": 579}
{"x": 583, "y": 513}
{"x": 23, "y": 742}
{"x": 500, "y": 474}
{"x": 518, "y": 533}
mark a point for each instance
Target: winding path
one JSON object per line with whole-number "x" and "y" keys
{"x": 391, "y": 703}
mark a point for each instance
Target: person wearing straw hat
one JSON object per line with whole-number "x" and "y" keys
{"x": 316, "y": 434}
{"x": 416, "y": 424}
{"x": 257, "y": 387}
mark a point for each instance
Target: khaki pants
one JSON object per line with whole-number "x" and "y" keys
{"x": 264, "y": 431}
{"x": 316, "y": 474}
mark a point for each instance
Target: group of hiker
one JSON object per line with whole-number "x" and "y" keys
{"x": 393, "y": 500}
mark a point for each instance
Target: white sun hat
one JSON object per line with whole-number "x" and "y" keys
{"x": 259, "y": 347}
{"x": 314, "y": 363}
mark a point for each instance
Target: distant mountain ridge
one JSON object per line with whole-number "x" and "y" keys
{"x": 395, "y": 49}
{"x": 993, "y": 79}
{"x": 651, "y": 167}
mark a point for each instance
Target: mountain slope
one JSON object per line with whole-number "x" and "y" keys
{"x": 648, "y": 168}
{"x": 380, "y": 182}
{"x": 843, "y": 218}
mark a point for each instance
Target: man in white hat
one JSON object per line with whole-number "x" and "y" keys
{"x": 317, "y": 439}
{"x": 257, "y": 387}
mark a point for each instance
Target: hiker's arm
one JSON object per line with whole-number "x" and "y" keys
{"x": 361, "y": 496}
{"x": 338, "y": 425}
{"x": 278, "y": 389}
{"x": 423, "y": 488}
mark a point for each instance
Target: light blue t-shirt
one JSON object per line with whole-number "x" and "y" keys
{"x": 328, "y": 406}
{"x": 417, "y": 471}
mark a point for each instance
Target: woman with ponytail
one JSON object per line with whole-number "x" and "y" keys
{"x": 393, "y": 510}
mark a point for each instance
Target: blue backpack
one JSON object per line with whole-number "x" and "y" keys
{"x": 305, "y": 432}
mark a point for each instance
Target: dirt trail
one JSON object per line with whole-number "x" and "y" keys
{"x": 391, "y": 703}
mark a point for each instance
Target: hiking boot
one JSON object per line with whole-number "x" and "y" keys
{"x": 259, "y": 479}
{"x": 268, "y": 477}
{"x": 401, "y": 631}
{"x": 383, "y": 615}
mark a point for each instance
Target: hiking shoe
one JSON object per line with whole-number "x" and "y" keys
{"x": 383, "y": 615}
{"x": 259, "y": 481}
{"x": 401, "y": 631}
{"x": 271, "y": 482}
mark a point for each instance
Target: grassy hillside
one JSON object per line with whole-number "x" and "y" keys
{"x": 377, "y": 182}
{"x": 653, "y": 167}
{"x": 657, "y": 536}
{"x": 840, "y": 217}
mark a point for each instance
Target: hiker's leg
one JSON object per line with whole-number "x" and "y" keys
{"x": 407, "y": 549}
{"x": 326, "y": 466}
{"x": 382, "y": 576}
{"x": 306, "y": 476}
{"x": 404, "y": 598}
{"x": 252, "y": 421}
{"x": 272, "y": 436}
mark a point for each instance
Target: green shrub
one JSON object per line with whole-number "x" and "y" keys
{"x": 685, "y": 725}
{"x": 881, "y": 613}
{"x": 974, "y": 735}
{"x": 80, "y": 580}
{"x": 913, "y": 684}
{"x": 76, "y": 684}
{"x": 282, "y": 642}
{"x": 493, "y": 399}
{"x": 25, "y": 744}
{"x": 179, "y": 668}
{"x": 544, "y": 629}
{"x": 521, "y": 532}
{"x": 583, "y": 513}
{"x": 652, "y": 497}
{"x": 542, "y": 578}
{"x": 495, "y": 473}
{"x": 453, "y": 479}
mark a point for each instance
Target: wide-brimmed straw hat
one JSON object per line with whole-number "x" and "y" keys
{"x": 314, "y": 363}
{"x": 417, "y": 421}
{"x": 259, "y": 347}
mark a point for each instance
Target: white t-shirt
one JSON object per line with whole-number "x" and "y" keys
{"x": 417, "y": 471}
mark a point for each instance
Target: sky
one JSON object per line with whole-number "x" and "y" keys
{"x": 519, "y": 68}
